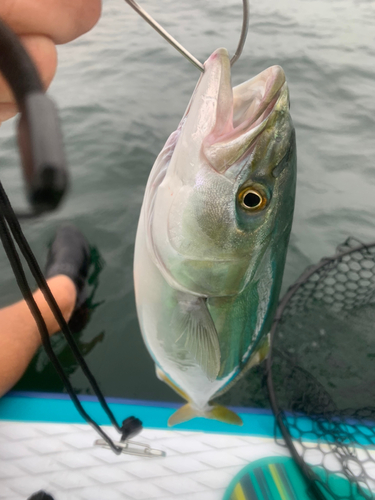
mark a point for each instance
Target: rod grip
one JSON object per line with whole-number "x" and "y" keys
{"x": 42, "y": 152}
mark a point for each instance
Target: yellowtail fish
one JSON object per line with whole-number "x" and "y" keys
{"x": 213, "y": 234}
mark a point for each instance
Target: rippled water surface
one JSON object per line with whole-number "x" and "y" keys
{"x": 122, "y": 90}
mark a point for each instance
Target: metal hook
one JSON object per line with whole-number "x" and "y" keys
{"x": 179, "y": 47}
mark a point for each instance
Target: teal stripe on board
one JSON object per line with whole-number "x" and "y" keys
{"x": 29, "y": 406}
{"x": 285, "y": 479}
{"x": 263, "y": 483}
{"x": 293, "y": 482}
{"x": 257, "y": 489}
{"x": 248, "y": 487}
{"x": 272, "y": 487}
{"x": 61, "y": 410}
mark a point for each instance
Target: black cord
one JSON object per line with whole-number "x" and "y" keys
{"x": 18, "y": 271}
{"x": 43, "y": 161}
{"x": 42, "y": 284}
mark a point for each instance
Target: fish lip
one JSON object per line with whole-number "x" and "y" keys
{"x": 253, "y": 104}
{"x": 266, "y": 88}
{"x": 221, "y": 120}
{"x": 273, "y": 85}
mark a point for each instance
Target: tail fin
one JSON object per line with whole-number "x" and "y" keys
{"x": 216, "y": 412}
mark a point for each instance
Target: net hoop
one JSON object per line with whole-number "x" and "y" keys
{"x": 311, "y": 478}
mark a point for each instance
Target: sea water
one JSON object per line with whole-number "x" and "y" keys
{"x": 121, "y": 90}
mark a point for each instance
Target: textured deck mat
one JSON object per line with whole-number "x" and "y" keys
{"x": 61, "y": 459}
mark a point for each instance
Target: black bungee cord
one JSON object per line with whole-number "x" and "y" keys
{"x": 43, "y": 161}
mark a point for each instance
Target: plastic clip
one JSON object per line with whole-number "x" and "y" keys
{"x": 133, "y": 448}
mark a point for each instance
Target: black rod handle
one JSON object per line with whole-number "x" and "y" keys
{"x": 39, "y": 134}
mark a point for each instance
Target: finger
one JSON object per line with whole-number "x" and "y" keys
{"x": 60, "y": 20}
{"x": 7, "y": 111}
{"x": 43, "y": 52}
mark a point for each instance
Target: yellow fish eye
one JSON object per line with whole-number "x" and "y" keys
{"x": 252, "y": 199}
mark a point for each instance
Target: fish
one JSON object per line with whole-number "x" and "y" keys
{"x": 213, "y": 235}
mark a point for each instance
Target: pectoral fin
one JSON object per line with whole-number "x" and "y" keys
{"x": 198, "y": 334}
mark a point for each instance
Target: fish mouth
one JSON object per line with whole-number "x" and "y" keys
{"x": 243, "y": 112}
{"x": 255, "y": 100}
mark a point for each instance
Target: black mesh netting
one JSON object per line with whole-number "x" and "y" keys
{"x": 321, "y": 372}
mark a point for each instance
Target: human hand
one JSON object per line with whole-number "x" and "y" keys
{"x": 42, "y": 24}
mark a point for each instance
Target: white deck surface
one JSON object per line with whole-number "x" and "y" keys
{"x": 61, "y": 459}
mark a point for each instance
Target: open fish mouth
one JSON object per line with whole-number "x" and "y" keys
{"x": 241, "y": 113}
{"x": 255, "y": 100}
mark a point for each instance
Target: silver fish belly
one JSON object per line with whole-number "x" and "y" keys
{"x": 213, "y": 234}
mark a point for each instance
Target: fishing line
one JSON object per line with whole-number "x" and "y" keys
{"x": 45, "y": 172}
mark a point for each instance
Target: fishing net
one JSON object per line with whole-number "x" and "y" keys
{"x": 321, "y": 376}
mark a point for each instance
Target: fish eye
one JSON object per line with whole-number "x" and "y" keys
{"x": 252, "y": 199}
